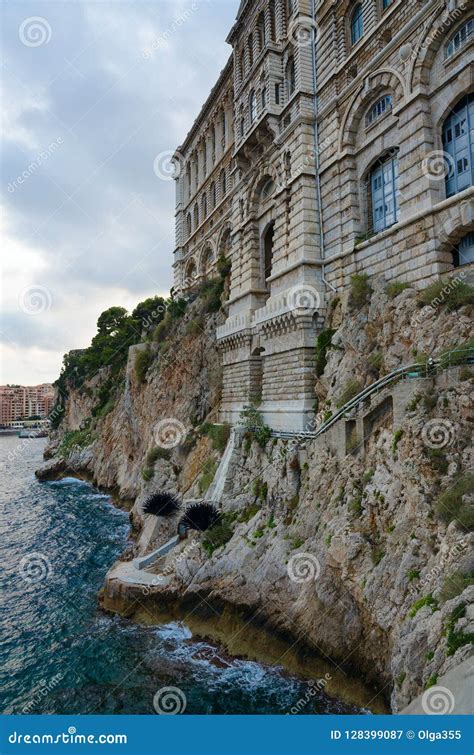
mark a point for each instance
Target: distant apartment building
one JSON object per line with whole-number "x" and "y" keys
{"x": 21, "y": 401}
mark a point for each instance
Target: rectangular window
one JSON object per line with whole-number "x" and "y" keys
{"x": 277, "y": 94}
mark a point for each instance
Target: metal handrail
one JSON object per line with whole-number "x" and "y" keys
{"x": 417, "y": 370}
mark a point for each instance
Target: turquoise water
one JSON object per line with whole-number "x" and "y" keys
{"x": 61, "y": 654}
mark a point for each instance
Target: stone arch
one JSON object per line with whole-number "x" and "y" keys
{"x": 384, "y": 80}
{"x": 437, "y": 31}
{"x": 266, "y": 175}
{"x": 206, "y": 258}
{"x": 224, "y": 241}
{"x": 190, "y": 270}
{"x": 454, "y": 225}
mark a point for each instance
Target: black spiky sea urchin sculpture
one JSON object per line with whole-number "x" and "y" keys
{"x": 161, "y": 504}
{"x": 200, "y": 516}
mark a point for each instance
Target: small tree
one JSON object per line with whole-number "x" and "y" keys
{"x": 252, "y": 420}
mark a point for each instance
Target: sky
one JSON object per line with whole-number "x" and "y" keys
{"x": 96, "y": 96}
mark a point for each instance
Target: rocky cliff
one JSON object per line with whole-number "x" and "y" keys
{"x": 358, "y": 545}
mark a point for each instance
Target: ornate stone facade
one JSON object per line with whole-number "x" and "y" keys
{"x": 339, "y": 139}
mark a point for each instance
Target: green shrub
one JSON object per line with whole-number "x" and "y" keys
{"x": 377, "y": 556}
{"x": 368, "y": 476}
{"x": 210, "y": 292}
{"x": 297, "y": 542}
{"x": 157, "y": 453}
{"x": 147, "y": 473}
{"x": 375, "y": 360}
{"x": 207, "y": 475}
{"x": 196, "y": 326}
{"x": 143, "y": 360}
{"x": 260, "y": 490}
{"x": 352, "y": 388}
{"x": 455, "y": 584}
{"x": 438, "y": 459}
{"x": 432, "y": 681}
{"x": 413, "y": 574}
{"x": 401, "y": 678}
{"x": 456, "y": 639}
{"x": 449, "y": 293}
{"x": 252, "y": 420}
{"x": 75, "y": 439}
{"x": 396, "y": 288}
{"x": 450, "y": 505}
{"x": 428, "y": 600}
{"x": 220, "y": 533}
{"x": 360, "y": 290}
{"x": 219, "y": 435}
{"x": 162, "y": 330}
{"x": 249, "y": 512}
{"x": 356, "y": 506}
{"x": 397, "y": 436}
{"x": 176, "y": 308}
{"x": 224, "y": 266}
{"x": 429, "y": 656}
{"x": 465, "y": 374}
{"x": 323, "y": 343}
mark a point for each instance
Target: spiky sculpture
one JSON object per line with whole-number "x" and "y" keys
{"x": 161, "y": 504}
{"x": 200, "y": 516}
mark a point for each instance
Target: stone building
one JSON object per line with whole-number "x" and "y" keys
{"x": 339, "y": 139}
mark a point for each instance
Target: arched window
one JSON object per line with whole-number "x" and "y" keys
{"x": 458, "y": 144}
{"x": 290, "y": 7}
{"x": 357, "y": 24}
{"x": 207, "y": 260}
{"x": 196, "y": 216}
{"x": 261, "y": 36}
{"x": 213, "y": 143}
{"x": 222, "y": 181}
{"x": 223, "y": 128}
{"x": 191, "y": 271}
{"x": 290, "y": 76}
{"x": 460, "y": 38}
{"x": 378, "y": 109}
{"x": 189, "y": 227}
{"x": 264, "y": 98}
{"x": 384, "y": 193}
{"x": 204, "y": 206}
{"x": 268, "y": 250}
{"x": 204, "y": 156}
{"x": 253, "y": 106}
{"x": 250, "y": 49}
{"x": 188, "y": 179}
{"x": 271, "y": 17}
{"x": 213, "y": 195}
{"x": 464, "y": 252}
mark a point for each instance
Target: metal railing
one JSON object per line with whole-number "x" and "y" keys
{"x": 424, "y": 370}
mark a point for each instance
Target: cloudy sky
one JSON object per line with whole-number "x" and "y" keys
{"x": 96, "y": 95}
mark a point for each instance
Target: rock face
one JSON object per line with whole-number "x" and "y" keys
{"x": 353, "y": 552}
